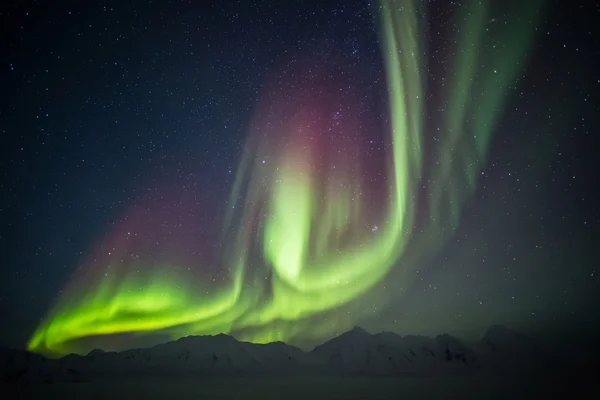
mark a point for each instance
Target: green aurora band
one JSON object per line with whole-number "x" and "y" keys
{"x": 322, "y": 259}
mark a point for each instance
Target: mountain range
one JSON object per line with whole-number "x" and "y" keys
{"x": 355, "y": 352}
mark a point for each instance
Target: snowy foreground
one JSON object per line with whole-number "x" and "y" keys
{"x": 355, "y": 365}
{"x": 311, "y": 388}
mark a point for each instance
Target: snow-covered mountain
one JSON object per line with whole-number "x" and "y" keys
{"x": 25, "y": 367}
{"x": 385, "y": 353}
{"x": 354, "y": 352}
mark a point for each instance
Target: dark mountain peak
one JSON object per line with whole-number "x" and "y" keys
{"x": 206, "y": 338}
{"x": 355, "y": 336}
{"x": 357, "y": 330}
{"x": 96, "y": 352}
{"x": 277, "y": 344}
{"x": 447, "y": 338}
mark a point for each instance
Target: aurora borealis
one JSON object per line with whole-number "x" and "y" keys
{"x": 362, "y": 165}
{"x": 303, "y": 214}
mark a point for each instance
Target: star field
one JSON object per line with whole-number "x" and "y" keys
{"x": 147, "y": 147}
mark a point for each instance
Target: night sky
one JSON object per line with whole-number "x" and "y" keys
{"x": 177, "y": 167}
